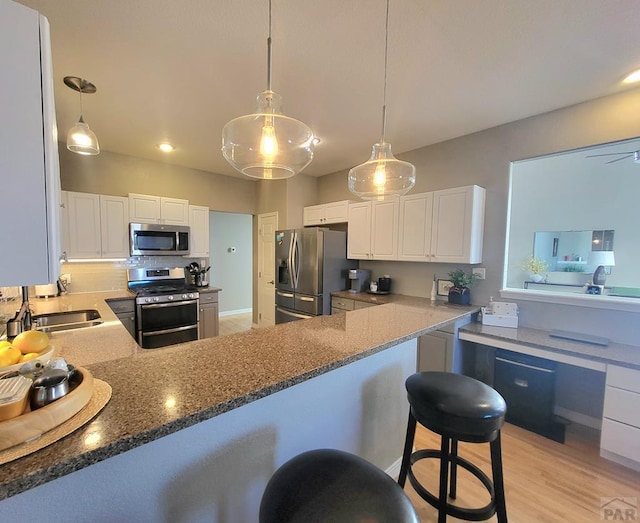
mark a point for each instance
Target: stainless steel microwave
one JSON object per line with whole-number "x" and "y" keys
{"x": 150, "y": 239}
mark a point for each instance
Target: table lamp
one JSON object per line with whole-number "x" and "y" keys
{"x": 601, "y": 259}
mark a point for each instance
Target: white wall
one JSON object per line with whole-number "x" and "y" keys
{"x": 231, "y": 271}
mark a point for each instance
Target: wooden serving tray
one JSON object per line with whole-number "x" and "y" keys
{"x": 32, "y": 424}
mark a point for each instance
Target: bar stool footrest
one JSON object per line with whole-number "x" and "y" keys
{"x": 469, "y": 514}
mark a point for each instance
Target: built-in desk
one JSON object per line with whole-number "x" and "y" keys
{"x": 620, "y": 438}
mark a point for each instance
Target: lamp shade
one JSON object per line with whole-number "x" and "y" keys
{"x": 267, "y": 144}
{"x": 82, "y": 140}
{"x": 605, "y": 258}
{"x": 382, "y": 175}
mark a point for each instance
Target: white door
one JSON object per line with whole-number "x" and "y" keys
{"x": 267, "y": 226}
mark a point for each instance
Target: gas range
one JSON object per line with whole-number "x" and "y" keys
{"x": 160, "y": 285}
{"x": 167, "y": 309}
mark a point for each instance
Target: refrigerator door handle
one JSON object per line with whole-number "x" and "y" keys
{"x": 290, "y": 261}
{"x": 285, "y": 294}
{"x": 295, "y": 262}
{"x": 305, "y": 298}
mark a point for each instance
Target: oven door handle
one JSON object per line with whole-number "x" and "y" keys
{"x": 169, "y": 331}
{"x": 168, "y": 304}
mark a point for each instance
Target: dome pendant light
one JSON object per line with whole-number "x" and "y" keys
{"x": 383, "y": 175}
{"x": 267, "y": 144}
{"x": 81, "y": 139}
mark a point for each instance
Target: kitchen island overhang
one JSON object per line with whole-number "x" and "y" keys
{"x": 159, "y": 393}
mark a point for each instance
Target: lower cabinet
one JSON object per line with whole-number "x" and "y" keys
{"x": 435, "y": 352}
{"x": 209, "y": 321}
{"x": 125, "y": 310}
{"x": 339, "y": 305}
{"x": 621, "y": 414}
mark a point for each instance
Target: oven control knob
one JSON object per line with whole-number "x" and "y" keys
{"x": 184, "y": 296}
{"x": 170, "y": 298}
{"x": 147, "y": 300}
{"x": 156, "y": 299}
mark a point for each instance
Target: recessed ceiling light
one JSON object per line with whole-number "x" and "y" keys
{"x": 632, "y": 78}
{"x": 166, "y": 147}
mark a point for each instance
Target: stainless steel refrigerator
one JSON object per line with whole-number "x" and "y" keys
{"x": 311, "y": 263}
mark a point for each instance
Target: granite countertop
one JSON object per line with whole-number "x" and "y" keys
{"x": 160, "y": 391}
{"x": 616, "y": 353}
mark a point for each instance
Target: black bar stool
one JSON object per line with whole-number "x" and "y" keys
{"x": 332, "y": 485}
{"x": 459, "y": 408}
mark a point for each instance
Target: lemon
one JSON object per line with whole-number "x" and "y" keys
{"x": 5, "y": 343}
{"x": 31, "y": 341}
{"x": 28, "y": 356}
{"x": 9, "y": 356}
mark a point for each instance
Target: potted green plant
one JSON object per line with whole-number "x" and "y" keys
{"x": 535, "y": 267}
{"x": 459, "y": 291}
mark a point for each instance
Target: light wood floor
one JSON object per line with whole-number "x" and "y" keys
{"x": 545, "y": 481}
{"x": 235, "y": 323}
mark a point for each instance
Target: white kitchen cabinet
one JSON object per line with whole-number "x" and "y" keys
{"x": 83, "y": 214}
{"x": 199, "y": 223}
{"x": 114, "y": 226}
{"x": 29, "y": 158}
{"x": 334, "y": 212}
{"x": 458, "y": 225}
{"x": 144, "y": 208}
{"x": 620, "y": 435}
{"x": 373, "y": 230}
{"x": 442, "y": 226}
{"x": 97, "y": 226}
{"x": 414, "y": 231}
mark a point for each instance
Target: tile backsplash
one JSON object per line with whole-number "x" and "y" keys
{"x": 112, "y": 275}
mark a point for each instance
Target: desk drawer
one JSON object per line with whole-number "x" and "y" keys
{"x": 623, "y": 378}
{"x": 620, "y": 439}
{"x": 622, "y": 405}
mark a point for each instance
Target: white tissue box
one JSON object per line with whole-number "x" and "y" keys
{"x": 504, "y": 315}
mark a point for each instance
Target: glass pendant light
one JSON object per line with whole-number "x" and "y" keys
{"x": 81, "y": 139}
{"x": 383, "y": 175}
{"x": 268, "y": 144}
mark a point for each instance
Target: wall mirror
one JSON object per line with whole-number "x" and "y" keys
{"x": 565, "y": 207}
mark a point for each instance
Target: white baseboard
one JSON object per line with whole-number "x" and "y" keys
{"x": 394, "y": 469}
{"x": 237, "y": 311}
{"x": 576, "y": 417}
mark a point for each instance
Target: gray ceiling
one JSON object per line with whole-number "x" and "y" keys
{"x": 178, "y": 70}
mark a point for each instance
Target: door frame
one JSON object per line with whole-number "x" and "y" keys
{"x": 260, "y": 300}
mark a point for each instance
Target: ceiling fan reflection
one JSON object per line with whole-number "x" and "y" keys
{"x": 627, "y": 154}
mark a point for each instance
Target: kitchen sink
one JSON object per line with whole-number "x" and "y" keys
{"x": 60, "y": 321}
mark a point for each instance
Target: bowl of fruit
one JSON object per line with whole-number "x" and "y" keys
{"x": 27, "y": 346}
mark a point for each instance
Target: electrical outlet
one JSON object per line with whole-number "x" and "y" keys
{"x": 479, "y": 272}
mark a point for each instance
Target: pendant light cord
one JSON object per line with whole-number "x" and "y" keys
{"x": 269, "y": 52}
{"x": 384, "y": 92}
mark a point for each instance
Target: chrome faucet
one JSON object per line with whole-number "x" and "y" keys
{"x": 22, "y": 320}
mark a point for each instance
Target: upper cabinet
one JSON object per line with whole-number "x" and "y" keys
{"x": 97, "y": 226}
{"x": 144, "y": 208}
{"x": 458, "y": 225}
{"x": 199, "y": 223}
{"x": 373, "y": 230}
{"x": 442, "y": 226}
{"x": 29, "y": 158}
{"x": 334, "y": 212}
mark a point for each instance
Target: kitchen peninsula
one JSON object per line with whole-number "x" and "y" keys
{"x": 199, "y": 427}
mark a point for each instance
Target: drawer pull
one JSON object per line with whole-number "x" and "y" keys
{"x": 521, "y": 383}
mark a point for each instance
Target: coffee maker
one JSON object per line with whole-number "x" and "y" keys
{"x": 359, "y": 280}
